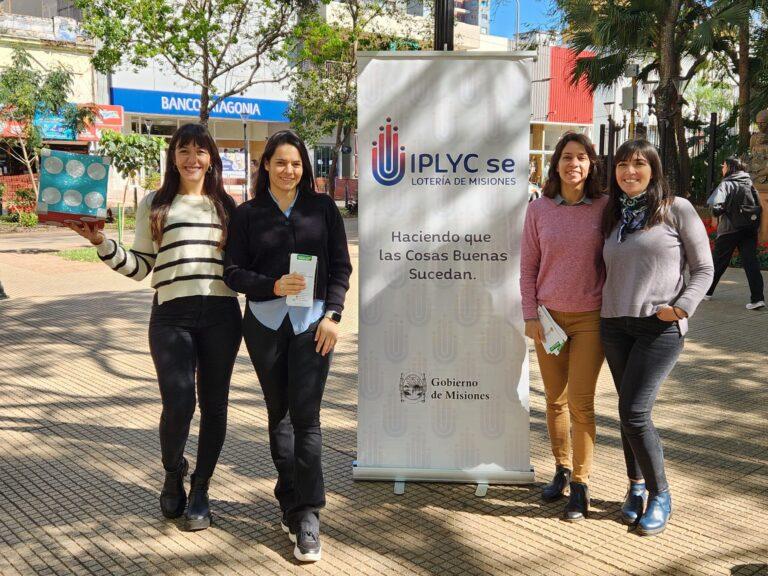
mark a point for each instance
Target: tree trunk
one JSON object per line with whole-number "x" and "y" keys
{"x": 205, "y": 95}
{"x": 205, "y": 100}
{"x": 685, "y": 158}
{"x": 666, "y": 94}
{"x": 341, "y": 136}
{"x": 744, "y": 92}
{"x": 29, "y": 163}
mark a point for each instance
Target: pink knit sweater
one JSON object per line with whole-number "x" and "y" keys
{"x": 561, "y": 264}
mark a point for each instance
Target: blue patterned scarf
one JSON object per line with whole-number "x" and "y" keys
{"x": 634, "y": 214}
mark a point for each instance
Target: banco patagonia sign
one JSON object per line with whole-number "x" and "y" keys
{"x": 181, "y": 104}
{"x": 390, "y": 162}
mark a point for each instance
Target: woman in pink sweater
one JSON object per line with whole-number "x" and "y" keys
{"x": 562, "y": 270}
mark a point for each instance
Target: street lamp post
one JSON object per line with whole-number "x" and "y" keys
{"x": 613, "y": 131}
{"x": 517, "y": 26}
{"x": 611, "y": 142}
{"x": 444, "y": 10}
{"x": 244, "y": 117}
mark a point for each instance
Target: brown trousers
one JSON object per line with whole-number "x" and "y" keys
{"x": 570, "y": 379}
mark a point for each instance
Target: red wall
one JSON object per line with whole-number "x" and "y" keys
{"x": 13, "y": 183}
{"x": 567, "y": 103}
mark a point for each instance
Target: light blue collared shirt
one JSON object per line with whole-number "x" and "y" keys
{"x": 560, "y": 201}
{"x": 271, "y": 313}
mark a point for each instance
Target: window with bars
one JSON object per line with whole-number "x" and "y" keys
{"x": 41, "y": 8}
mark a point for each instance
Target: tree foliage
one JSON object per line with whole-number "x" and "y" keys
{"x": 28, "y": 90}
{"x": 324, "y": 87}
{"x": 221, "y": 46}
{"x": 129, "y": 153}
{"x": 668, "y": 38}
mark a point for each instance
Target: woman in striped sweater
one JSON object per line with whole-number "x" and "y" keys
{"x": 195, "y": 325}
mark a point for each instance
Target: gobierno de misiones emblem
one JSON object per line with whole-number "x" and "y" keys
{"x": 413, "y": 387}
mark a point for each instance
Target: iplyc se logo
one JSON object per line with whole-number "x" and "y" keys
{"x": 387, "y": 156}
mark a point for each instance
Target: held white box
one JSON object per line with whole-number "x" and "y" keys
{"x": 305, "y": 265}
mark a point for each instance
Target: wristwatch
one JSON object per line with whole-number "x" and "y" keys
{"x": 333, "y": 316}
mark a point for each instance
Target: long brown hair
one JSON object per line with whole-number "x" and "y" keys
{"x": 660, "y": 196}
{"x": 213, "y": 185}
{"x": 592, "y": 187}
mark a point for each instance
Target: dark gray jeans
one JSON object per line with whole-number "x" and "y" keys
{"x": 641, "y": 353}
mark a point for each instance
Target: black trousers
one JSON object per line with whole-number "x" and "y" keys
{"x": 292, "y": 376}
{"x": 194, "y": 343}
{"x": 746, "y": 241}
{"x": 641, "y": 353}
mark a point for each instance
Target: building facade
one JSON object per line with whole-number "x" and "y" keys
{"x": 557, "y": 106}
{"x": 475, "y": 13}
{"x": 48, "y": 31}
{"x": 156, "y": 102}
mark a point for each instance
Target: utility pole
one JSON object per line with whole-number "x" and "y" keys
{"x": 444, "y": 10}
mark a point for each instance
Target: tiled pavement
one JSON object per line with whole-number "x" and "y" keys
{"x": 80, "y": 472}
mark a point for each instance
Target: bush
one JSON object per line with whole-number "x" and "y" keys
{"x": 10, "y": 217}
{"x": 151, "y": 181}
{"x": 28, "y": 219}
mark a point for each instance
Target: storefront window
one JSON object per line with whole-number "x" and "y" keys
{"x": 41, "y": 8}
{"x": 163, "y": 128}
{"x": 322, "y": 161}
{"x": 27, "y": 7}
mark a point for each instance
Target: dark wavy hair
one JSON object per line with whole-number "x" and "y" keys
{"x": 213, "y": 185}
{"x": 660, "y": 196}
{"x": 733, "y": 165}
{"x": 307, "y": 182}
{"x": 592, "y": 187}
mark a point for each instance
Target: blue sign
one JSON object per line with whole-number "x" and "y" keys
{"x": 52, "y": 126}
{"x": 181, "y": 104}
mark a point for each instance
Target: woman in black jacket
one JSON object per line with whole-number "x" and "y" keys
{"x": 290, "y": 346}
{"x": 736, "y": 230}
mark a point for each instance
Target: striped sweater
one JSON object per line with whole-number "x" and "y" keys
{"x": 187, "y": 262}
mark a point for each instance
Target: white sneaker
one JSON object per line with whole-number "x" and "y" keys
{"x": 707, "y": 297}
{"x": 755, "y": 305}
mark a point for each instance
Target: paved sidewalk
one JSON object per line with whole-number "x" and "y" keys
{"x": 80, "y": 471}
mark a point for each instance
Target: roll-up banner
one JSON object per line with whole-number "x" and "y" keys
{"x": 443, "y": 140}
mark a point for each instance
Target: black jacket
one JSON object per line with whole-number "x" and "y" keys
{"x": 261, "y": 240}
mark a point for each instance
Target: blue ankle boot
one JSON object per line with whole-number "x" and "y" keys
{"x": 656, "y": 514}
{"x": 634, "y": 503}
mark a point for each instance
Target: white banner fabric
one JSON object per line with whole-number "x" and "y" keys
{"x": 443, "y": 144}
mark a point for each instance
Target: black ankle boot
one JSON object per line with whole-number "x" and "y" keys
{"x": 173, "y": 498}
{"x": 578, "y": 503}
{"x": 198, "y": 512}
{"x": 554, "y": 490}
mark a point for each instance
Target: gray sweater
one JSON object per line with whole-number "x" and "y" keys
{"x": 719, "y": 199}
{"x": 645, "y": 273}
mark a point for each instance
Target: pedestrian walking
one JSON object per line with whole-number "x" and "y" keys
{"x": 562, "y": 270}
{"x": 737, "y": 204}
{"x": 652, "y": 237}
{"x": 195, "y": 324}
{"x": 290, "y": 345}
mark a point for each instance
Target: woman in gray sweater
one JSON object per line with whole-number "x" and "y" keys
{"x": 651, "y": 238}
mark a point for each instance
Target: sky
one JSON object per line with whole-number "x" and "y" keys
{"x": 533, "y": 14}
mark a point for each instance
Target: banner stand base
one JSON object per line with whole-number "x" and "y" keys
{"x": 480, "y": 477}
{"x": 482, "y": 490}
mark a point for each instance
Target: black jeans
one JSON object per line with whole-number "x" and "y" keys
{"x": 746, "y": 241}
{"x": 292, "y": 376}
{"x": 194, "y": 336}
{"x": 641, "y": 353}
